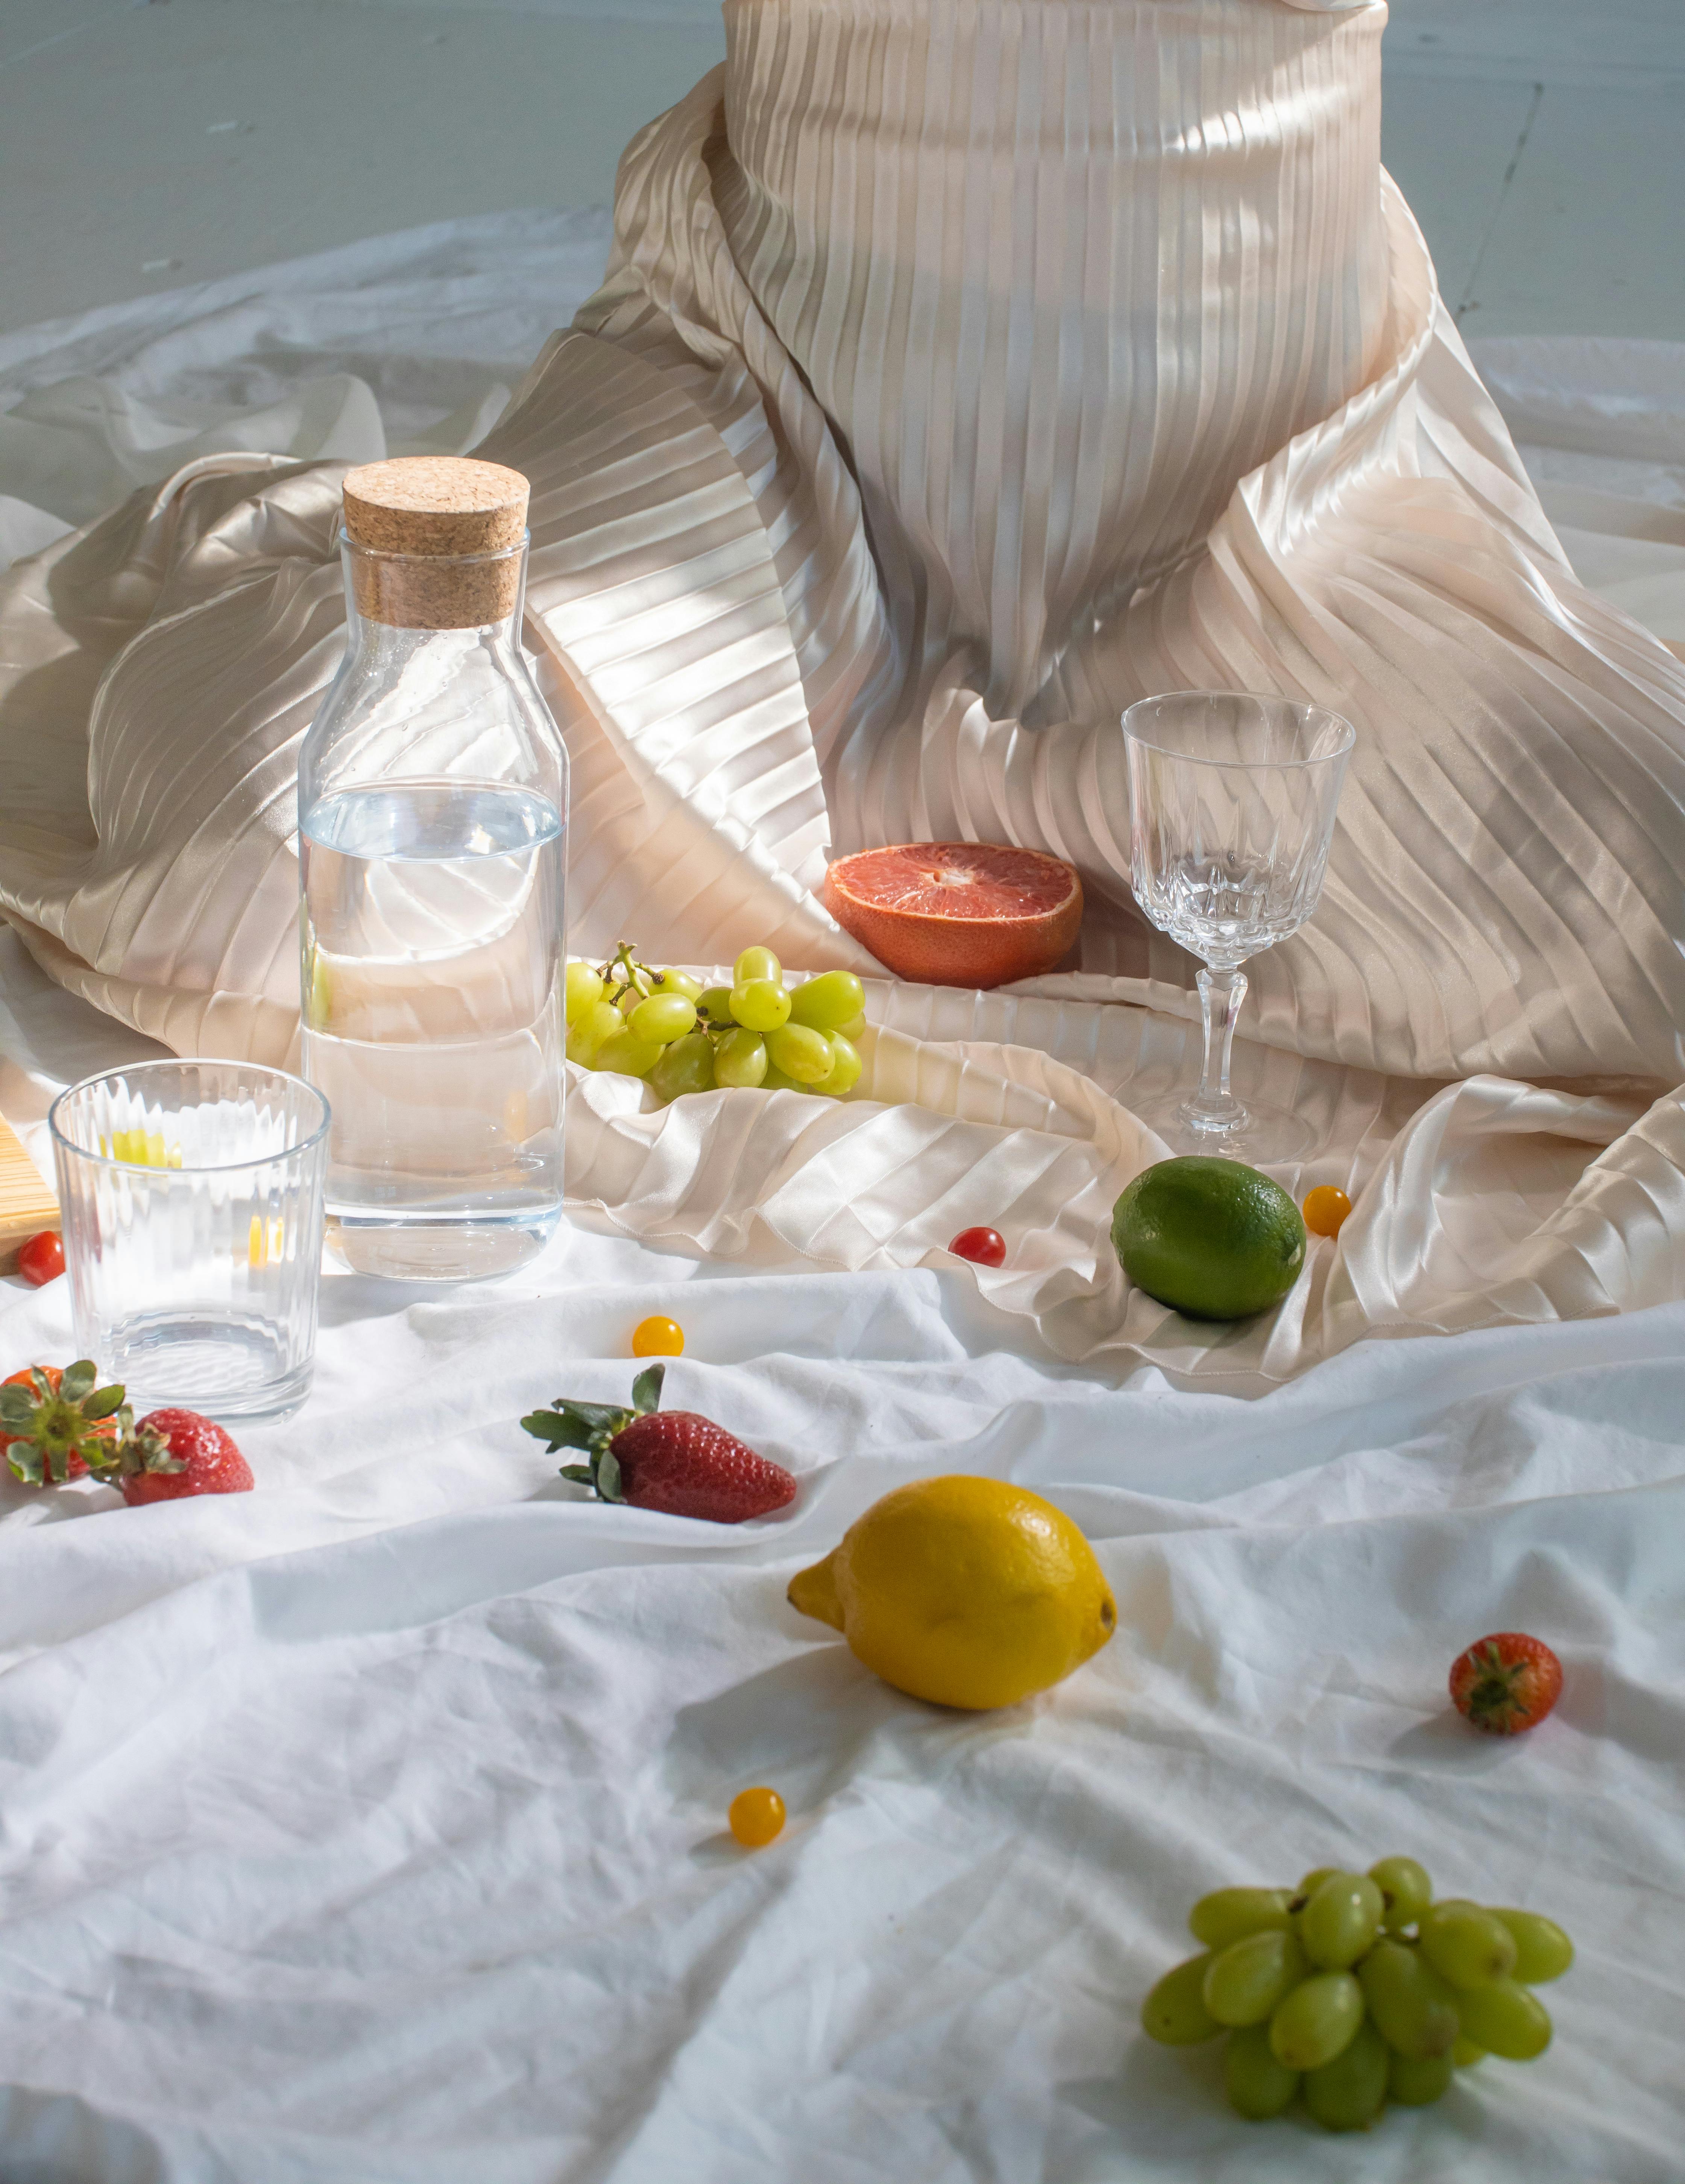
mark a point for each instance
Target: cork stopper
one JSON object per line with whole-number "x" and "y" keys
{"x": 466, "y": 518}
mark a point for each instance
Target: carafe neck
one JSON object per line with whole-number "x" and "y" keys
{"x": 398, "y": 603}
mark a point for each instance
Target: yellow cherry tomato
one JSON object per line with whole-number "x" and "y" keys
{"x": 657, "y": 1337}
{"x": 1326, "y": 1209}
{"x": 756, "y": 1817}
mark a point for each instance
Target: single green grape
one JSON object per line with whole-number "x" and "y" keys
{"x": 1229, "y": 1915}
{"x": 1542, "y": 1950}
{"x": 853, "y": 1028}
{"x": 1257, "y": 2085}
{"x": 1414, "y": 2082}
{"x": 1245, "y": 1981}
{"x": 678, "y": 982}
{"x": 800, "y": 1052}
{"x": 626, "y": 1054}
{"x": 1341, "y": 1920}
{"x": 583, "y": 987}
{"x": 1314, "y": 1879}
{"x": 845, "y": 1066}
{"x": 1405, "y": 1889}
{"x": 686, "y": 1065}
{"x": 740, "y": 1059}
{"x": 714, "y": 1002}
{"x": 1465, "y": 1944}
{"x": 757, "y": 963}
{"x": 1506, "y": 2019}
{"x": 759, "y": 1005}
{"x": 1175, "y": 2011}
{"x": 587, "y": 1033}
{"x": 662, "y": 1018}
{"x": 1347, "y": 2094}
{"x": 1467, "y": 2053}
{"x": 829, "y": 1001}
{"x": 1414, "y": 2007}
{"x": 1316, "y": 2022}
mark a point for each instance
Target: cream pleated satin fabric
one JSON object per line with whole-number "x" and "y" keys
{"x": 964, "y": 372}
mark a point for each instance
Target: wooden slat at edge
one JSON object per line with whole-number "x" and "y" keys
{"x": 27, "y": 1204}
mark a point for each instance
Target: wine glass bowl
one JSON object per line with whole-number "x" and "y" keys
{"x": 1233, "y": 798}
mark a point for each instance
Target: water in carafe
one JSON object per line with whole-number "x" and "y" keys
{"x": 432, "y": 834}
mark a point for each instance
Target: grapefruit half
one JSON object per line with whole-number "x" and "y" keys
{"x": 958, "y": 913}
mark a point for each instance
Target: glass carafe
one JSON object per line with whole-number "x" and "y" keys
{"x": 432, "y": 832}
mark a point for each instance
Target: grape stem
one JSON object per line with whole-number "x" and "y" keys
{"x": 624, "y": 967}
{"x": 623, "y": 970}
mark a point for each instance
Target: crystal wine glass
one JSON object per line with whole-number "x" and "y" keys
{"x": 1232, "y": 802}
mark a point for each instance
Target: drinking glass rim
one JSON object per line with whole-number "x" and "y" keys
{"x": 198, "y": 1167}
{"x": 1239, "y": 765}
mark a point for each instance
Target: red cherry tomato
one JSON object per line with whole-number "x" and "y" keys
{"x": 985, "y": 1247}
{"x": 42, "y": 1260}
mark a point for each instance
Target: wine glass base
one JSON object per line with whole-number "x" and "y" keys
{"x": 1261, "y": 1135}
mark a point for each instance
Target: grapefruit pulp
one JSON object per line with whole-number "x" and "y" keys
{"x": 958, "y": 913}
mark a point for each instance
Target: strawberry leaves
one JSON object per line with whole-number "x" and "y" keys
{"x": 601, "y": 1474}
{"x": 54, "y": 1427}
{"x": 58, "y": 1425}
{"x": 1506, "y": 1683}
{"x": 675, "y": 1462}
{"x": 143, "y": 1449}
{"x": 576, "y": 1425}
{"x": 592, "y": 1427}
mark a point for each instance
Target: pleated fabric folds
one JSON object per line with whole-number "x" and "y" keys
{"x": 964, "y": 372}
{"x": 1075, "y": 352}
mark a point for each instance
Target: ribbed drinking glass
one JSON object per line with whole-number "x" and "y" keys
{"x": 190, "y": 1194}
{"x": 1231, "y": 813}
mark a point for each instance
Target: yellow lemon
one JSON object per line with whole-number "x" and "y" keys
{"x": 967, "y": 1592}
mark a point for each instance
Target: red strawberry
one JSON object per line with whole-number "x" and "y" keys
{"x": 61, "y": 1425}
{"x": 1506, "y": 1683}
{"x": 673, "y": 1461}
{"x": 173, "y": 1452}
{"x": 689, "y": 1467}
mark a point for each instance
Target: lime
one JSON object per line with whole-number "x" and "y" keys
{"x": 1210, "y": 1238}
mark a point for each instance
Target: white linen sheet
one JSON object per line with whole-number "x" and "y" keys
{"x": 371, "y": 1826}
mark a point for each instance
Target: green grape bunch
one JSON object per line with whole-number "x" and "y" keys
{"x": 680, "y": 1036}
{"x": 1355, "y": 1989}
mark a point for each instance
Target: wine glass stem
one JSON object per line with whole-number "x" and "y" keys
{"x": 1220, "y": 995}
